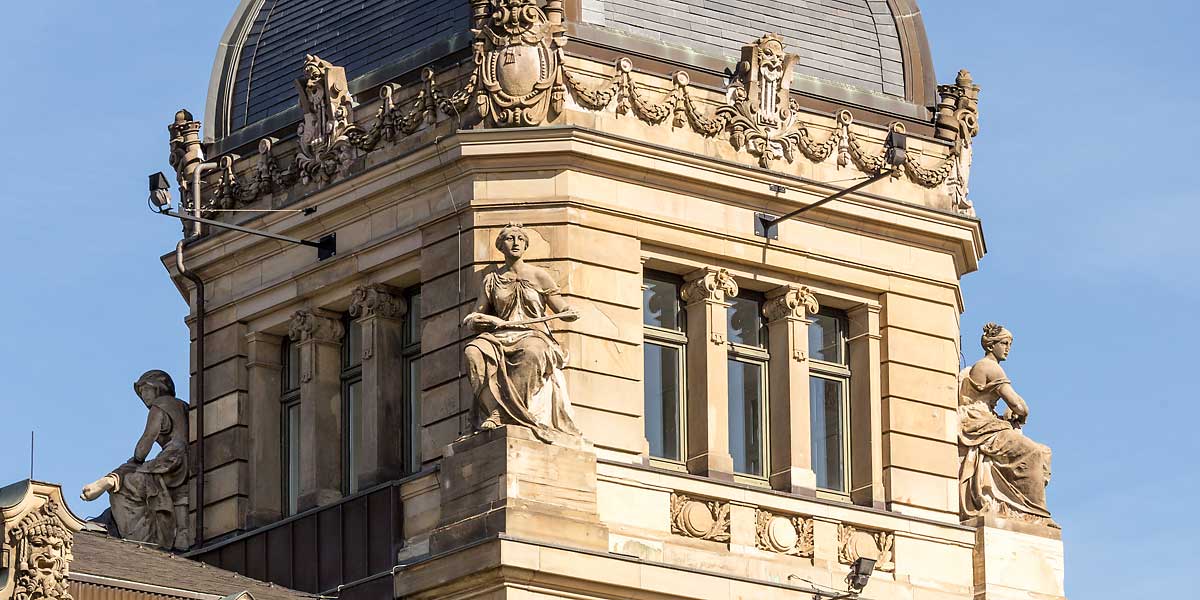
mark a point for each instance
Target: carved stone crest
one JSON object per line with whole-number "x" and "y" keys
{"x": 759, "y": 108}
{"x": 518, "y": 53}
{"x": 784, "y": 534}
{"x": 325, "y": 145}
{"x": 697, "y": 518}
{"x": 36, "y": 537}
{"x": 854, "y": 543}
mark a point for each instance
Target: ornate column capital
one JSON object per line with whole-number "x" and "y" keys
{"x": 709, "y": 284}
{"x": 377, "y": 300}
{"x": 790, "y": 302}
{"x": 315, "y": 325}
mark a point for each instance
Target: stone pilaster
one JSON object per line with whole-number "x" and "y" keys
{"x": 787, "y": 311}
{"x": 264, "y": 370}
{"x": 319, "y": 334}
{"x": 866, "y": 412}
{"x": 380, "y": 311}
{"x": 708, "y": 372}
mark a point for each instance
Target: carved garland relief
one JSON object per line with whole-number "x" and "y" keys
{"x": 699, "y": 518}
{"x": 520, "y": 79}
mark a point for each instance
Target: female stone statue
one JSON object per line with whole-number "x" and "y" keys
{"x": 515, "y": 364}
{"x": 149, "y": 497}
{"x": 1003, "y": 472}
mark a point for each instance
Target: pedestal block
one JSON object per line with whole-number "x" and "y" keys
{"x": 1017, "y": 561}
{"x": 507, "y": 481}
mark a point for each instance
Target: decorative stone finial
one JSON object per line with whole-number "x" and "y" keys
{"x": 186, "y": 150}
{"x": 709, "y": 284}
{"x": 325, "y": 145}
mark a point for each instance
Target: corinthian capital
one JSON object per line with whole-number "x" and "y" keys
{"x": 794, "y": 302}
{"x": 709, "y": 284}
{"x": 315, "y": 325}
{"x": 377, "y": 300}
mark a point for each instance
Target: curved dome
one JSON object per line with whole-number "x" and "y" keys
{"x": 868, "y": 52}
{"x": 252, "y": 91}
{"x": 876, "y": 46}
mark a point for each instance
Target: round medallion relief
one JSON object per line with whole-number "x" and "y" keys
{"x": 781, "y": 533}
{"x": 696, "y": 519}
{"x": 862, "y": 545}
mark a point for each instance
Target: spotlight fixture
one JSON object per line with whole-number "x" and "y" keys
{"x": 160, "y": 202}
{"x": 860, "y": 574}
{"x": 160, "y": 192}
{"x": 897, "y": 148}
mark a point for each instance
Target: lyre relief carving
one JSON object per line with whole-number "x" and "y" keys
{"x": 325, "y": 145}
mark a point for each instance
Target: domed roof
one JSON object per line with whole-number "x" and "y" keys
{"x": 252, "y": 91}
{"x": 867, "y": 52}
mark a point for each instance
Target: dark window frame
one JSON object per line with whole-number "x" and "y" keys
{"x": 289, "y": 400}
{"x": 839, "y": 371}
{"x": 677, "y": 340}
{"x": 757, "y": 355}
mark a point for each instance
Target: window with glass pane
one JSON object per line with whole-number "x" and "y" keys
{"x": 411, "y": 359}
{"x": 663, "y": 353}
{"x": 829, "y": 402}
{"x": 290, "y": 427}
{"x": 352, "y": 451}
{"x": 746, "y": 330}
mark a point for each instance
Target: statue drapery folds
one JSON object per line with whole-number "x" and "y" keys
{"x": 148, "y": 496}
{"x": 1003, "y": 472}
{"x": 515, "y": 364}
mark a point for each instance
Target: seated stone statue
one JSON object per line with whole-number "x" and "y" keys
{"x": 1003, "y": 473}
{"x": 149, "y": 497}
{"x": 515, "y": 364}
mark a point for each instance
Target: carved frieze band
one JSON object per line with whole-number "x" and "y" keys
{"x": 855, "y": 543}
{"x": 699, "y": 518}
{"x": 784, "y": 534}
{"x": 520, "y": 79}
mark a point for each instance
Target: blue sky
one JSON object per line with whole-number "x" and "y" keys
{"x": 1084, "y": 178}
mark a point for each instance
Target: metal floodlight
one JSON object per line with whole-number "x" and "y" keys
{"x": 860, "y": 573}
{"x": 897, "y": 148}
{"x": 160, "y": 192}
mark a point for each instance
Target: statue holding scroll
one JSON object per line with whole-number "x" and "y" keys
{"x": 149, "y": 497}
{"x": 1003, "y": 472}
{"x": 515, "y": 364}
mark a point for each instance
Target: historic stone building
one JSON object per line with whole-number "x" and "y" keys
{"x": 556, "y": 340}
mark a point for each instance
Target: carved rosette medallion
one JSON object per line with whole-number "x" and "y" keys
{"x": 784, "y": 534}
{"x": 314, "y": 325}
{"x": 518, "y": 53}
{"x": 855, "y": 543}
{"x": 325, "y": 134}
{"x": 699, "y": 518}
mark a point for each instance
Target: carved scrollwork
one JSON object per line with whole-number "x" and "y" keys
{"x": 377, "y": 301}
{"x": 854, "y": 543}
{"x": 697, "y": 518}
{"x": 796, "y": 302}
{"x": 710, "y": 284}
{"x": 784, "y": 534}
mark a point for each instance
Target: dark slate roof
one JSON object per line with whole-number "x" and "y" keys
{"x": 360, "y": 35}
{"x": 118, "y": 561}
{"x": 854, "y": 42}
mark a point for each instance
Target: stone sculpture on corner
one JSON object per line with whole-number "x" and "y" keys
{"x": 515, "y": 365}
{"x": 149, "y": 498}
{"x": 1003, "y": 473}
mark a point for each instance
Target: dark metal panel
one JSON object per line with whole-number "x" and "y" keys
{"x": 354, "y": 532}
{"x": 256, "y": 558}
{"x": 305, "y": 556}
{"x": 279, "y": 556}
{"x": 329, "y": 547}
